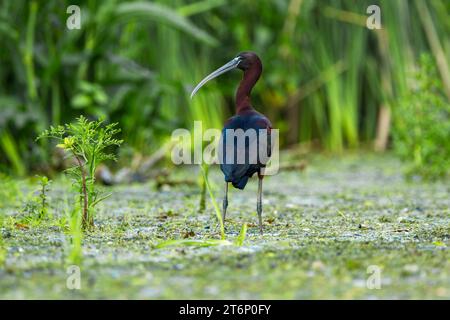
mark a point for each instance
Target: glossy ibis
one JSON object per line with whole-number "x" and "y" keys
{"x": 247, "y": 119}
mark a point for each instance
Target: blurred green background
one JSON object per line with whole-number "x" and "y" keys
{"x": 329, "y": 83}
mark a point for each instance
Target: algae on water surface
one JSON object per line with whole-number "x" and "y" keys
{"x": 324, "y": 229}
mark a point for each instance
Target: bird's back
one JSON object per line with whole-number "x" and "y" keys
{"x": 241, "y": 159}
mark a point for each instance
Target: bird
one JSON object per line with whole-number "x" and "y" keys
{"x": 245, "y": 121}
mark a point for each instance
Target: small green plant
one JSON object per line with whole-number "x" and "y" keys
{"x": 241, "y": 237}
{"x": 35, "y": 208}
{"x": 44, "y": 188}
{"x": 87, "y": 142}
{"x": 422, "y": 125}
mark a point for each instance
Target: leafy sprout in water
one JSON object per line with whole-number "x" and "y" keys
{"x": 88, "y": 143}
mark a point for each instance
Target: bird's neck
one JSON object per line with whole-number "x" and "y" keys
{"x": 243, "y": 101}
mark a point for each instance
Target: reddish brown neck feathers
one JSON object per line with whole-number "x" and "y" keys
{"x": 251, "y": 76}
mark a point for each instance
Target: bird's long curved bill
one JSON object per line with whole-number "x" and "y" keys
{"x": 227, "y": 67}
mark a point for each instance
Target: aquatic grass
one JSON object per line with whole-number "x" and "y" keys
{"x": 417, "y": 139}
{"x": 126, "y": 73}
{"x": 28, "y": 56}
{"x": 241, "y": 237}
{"x": 10, "y": 149}
{"x": 161, "y": 14}
{"x": 435, "y": 44}
{"x": 202, "y": 202}
{"x": 198, "y": 7}
{"x": 3, "y": 249}
{"x": 146, "y": 85}
{"x": 214, "y": 202}
{"x": 75, "y": 236}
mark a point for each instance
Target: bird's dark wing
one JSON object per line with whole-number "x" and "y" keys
{"x": 260, "y": 122}
{"x": 238, "y": 173}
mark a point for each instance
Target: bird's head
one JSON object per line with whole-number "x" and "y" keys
{"x": 244, "y": 61}
{"x": 247, "y": 60}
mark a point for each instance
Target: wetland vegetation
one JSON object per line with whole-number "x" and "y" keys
{"x": 324, "y": 227}
{"x": 360, "y": 208}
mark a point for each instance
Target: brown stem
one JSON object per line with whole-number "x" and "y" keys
{"x": 85, "y": 220}
{"x": 43, "y": 201}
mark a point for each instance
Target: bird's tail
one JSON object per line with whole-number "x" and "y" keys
{"x": 240, "y": 183}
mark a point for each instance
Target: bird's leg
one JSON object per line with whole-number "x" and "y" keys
{"x": 225, "y": 203}
{"x": 259, "y": 202}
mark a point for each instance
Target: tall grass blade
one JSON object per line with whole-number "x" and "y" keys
{"x": 241, "y": 237}
{"x": 215, "y": 205}
{"x": 161, "y": 14}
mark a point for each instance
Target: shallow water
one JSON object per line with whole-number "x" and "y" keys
{"x": 323, "y": 228}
